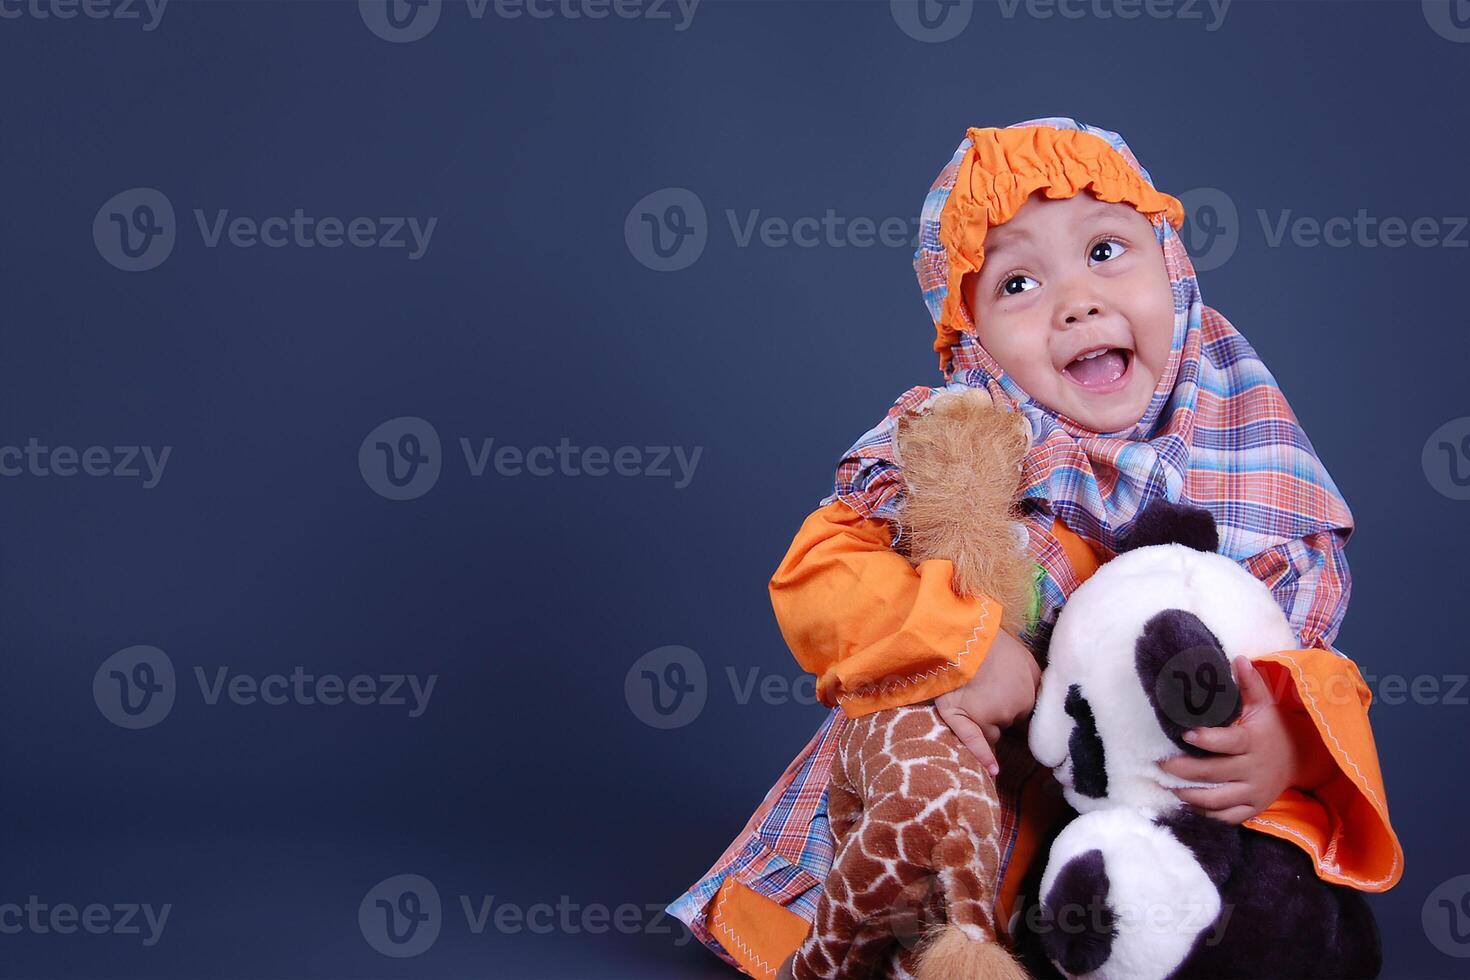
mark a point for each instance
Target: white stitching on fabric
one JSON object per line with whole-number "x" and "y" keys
{"x": 1334, "y": 868}
{"x": 724, "y": 927}
{"x": 1296, "y": 674}
{"x": 1305, "y": 841}
{"x": 888, "y": 687}
{"x": 1332, "y": 843}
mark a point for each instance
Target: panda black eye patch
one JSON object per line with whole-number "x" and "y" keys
{"x": 1186, "y": 676}
{"x": 1089, "y": 775}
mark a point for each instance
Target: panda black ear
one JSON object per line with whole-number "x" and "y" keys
{"x": 1165, "y": 522}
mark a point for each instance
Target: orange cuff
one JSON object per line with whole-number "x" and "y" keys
{"x": 875, "y": 630}
{"x": 1343, "y": 824}
{"x": 911, "y": 664}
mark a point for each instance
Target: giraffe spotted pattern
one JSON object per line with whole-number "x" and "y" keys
{"x": 915, "y": 823}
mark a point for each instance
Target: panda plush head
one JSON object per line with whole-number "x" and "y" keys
{"x": 1141, "y": 653}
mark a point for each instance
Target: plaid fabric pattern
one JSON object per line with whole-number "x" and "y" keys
{"x": 1218, "y": 433}
{"x": 786, "y": 849}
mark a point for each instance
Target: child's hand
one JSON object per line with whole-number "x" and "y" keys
{"x": 1260, "y": 755}
{"x": 1002, "y": 693}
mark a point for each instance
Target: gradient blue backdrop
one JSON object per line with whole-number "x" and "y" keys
{"x": 532, "y": 776}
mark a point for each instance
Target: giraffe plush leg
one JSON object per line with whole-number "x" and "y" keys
{"x": 915, "y": 823}
{"x": 852, "y": 933}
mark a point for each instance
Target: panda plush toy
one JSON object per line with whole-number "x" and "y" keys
{"x": 1141, "y": 885}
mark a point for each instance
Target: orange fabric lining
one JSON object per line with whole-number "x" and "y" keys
{"x": 1083, "y": 559}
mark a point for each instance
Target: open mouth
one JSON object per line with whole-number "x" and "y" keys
{"x": 1102, "y": 372}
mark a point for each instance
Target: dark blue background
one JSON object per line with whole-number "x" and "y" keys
{"x": 530, "y": 776}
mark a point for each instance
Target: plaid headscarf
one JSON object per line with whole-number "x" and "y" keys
{"x": 1218, "y": 432}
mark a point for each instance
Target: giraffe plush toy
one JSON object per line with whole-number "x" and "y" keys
{"x": 913, "y": 814}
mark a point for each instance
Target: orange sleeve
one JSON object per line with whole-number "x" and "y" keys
{"x": 1343, "y": 823}
{"x": 875, "y": 630}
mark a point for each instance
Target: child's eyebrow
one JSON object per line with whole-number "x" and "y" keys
{"x": 1002, "y": 238}
{"x": 1096, "y": 215}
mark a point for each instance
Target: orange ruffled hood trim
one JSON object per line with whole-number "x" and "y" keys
{"x": 999, "y": 171}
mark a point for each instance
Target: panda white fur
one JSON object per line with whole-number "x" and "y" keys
{"x": 1140, "y": 885}
{"x": 1092, "y": 647}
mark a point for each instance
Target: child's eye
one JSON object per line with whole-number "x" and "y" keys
{"x": 1015, "y": 285}
{"x": 1106, "y": 250}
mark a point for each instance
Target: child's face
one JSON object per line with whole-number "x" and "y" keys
{"x": 1062, "y": 278}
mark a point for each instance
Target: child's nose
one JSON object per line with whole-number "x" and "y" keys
{"x": 1077, "y": 301}
{"x": 1075, "y": 313}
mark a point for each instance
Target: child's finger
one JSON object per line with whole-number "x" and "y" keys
{"x": 1229, "y": 740}
{"x": 1253, "y": 689}
{"x": 973, "y": 738}
{"x": 1213, "y": 769}
{"x": 1220, "y": 797}
{"x": 1235, "y": 814}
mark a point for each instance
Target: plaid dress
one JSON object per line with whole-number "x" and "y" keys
{"x": 1218, "y": 433}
